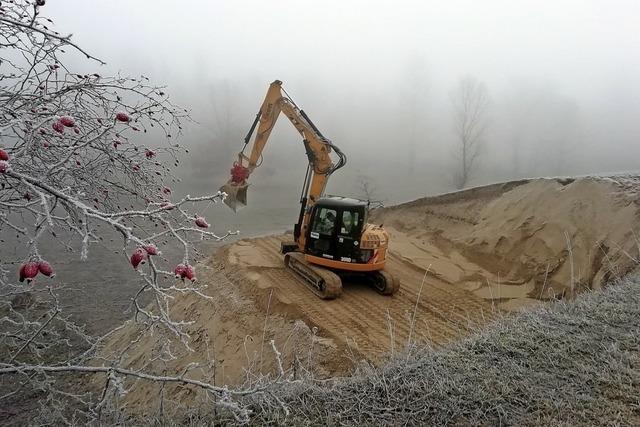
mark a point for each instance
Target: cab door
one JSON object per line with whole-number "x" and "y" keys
{"x": 348, "y": 234}
{"x": 321, "y": 240}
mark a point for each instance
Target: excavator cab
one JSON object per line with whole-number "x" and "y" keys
{"x": 339, "y": 239}
{"x": 335, "y": 229}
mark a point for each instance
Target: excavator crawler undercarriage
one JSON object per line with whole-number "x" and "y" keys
{"x": 322, "y": 282}
{"x": 327, "y": 284}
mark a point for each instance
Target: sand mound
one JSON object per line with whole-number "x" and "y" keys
{"x": 523, "y": 241}
{"x": 464, "y": 259}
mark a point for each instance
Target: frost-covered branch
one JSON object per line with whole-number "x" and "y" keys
{"x": 84, "y": 156}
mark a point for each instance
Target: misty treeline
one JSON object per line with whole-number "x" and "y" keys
{"x": 406, "y": 135}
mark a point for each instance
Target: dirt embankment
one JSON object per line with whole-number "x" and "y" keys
{"x": 463, "y": 259}
{"x": 521, "y": 242}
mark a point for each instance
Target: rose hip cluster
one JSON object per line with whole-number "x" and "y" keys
{"x": 140, "y": 255}
{"x": 29, "y": 270}
{"x": 185, "y": 271}
{"x": 69, "y": 122}
{"x": 65, "y": 122}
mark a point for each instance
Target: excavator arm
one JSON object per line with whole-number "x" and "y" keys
{"x": 318, "y": 149}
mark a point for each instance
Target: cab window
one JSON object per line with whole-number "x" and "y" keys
{"x": 324, "y": 221}
{"x": 349, "y": 222}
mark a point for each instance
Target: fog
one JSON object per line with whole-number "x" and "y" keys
{"x": 378, "y": 78}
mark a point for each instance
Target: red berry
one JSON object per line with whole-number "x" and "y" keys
{"x": 58, "y": 127}
{"x": 137, "y": 257}
{"x": 180, "y": 271}
{"x": 136, "y": 167}
{"x": 151, "y": 249}
{"x": 67, "y": 121}
{"x": 3, "y": 155}
{"x": 29, "y": 271}
{"x": 201, "y": 222}
{"x": 123, "y": 117}
{"x": 4, "y": 166}
{"x": 190, "y": 273}
{"x": 150, "y": 154}
{"x": 46, "y": 269}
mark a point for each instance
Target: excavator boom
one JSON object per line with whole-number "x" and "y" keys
{"x": 318, "y": 149}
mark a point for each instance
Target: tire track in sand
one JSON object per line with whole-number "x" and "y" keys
{"x": 360, "y": 317}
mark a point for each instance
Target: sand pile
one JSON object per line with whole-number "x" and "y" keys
{"x": 523, "y": 241}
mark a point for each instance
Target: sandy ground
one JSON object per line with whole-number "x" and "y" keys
{"x": 369, "y": 323}
{"x": 463, "y": 259}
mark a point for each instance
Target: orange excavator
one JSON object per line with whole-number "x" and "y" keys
{"x": 332, "y": 239}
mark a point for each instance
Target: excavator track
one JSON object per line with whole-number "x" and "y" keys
{"x": 322, "y": 282}
{"x": 385, "y": 283}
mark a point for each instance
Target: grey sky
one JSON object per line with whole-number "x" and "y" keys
{"x": 574, "y": 44}
{"x": 562, "y": 74}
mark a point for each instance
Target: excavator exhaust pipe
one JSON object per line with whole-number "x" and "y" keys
{"x": 236, "y": 195}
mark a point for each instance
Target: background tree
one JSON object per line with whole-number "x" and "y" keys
{"x": 413, "y": 104}
{"x": 219, "y": 137}
{"x": 367, "y": 190}
{"x": 542, "y": 127}
{"x": 470, "y": 102}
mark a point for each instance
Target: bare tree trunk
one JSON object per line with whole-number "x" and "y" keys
{"x": 470, "y": 103}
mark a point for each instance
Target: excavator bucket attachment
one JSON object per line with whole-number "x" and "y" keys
{"x": 236, "y": 195}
